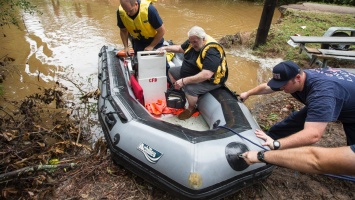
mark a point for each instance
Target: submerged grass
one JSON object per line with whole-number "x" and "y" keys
{"x": 291, "y": 23}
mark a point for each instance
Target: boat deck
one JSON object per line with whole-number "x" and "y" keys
{"x": 193, "y": 123}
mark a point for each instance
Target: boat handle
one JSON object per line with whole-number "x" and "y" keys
{"x": 110, "y": 119}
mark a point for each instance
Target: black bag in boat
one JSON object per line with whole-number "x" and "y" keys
{"x": 175, "y": 98}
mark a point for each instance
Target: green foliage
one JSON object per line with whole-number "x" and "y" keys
{"x": 272, "y": 117}
{"x": 303, "y": 23}
{"x": 338, "y": 2}
{"x": 9, "y": 9}
{"x": 266, "y": 122}
{"x": 265, "y": 127}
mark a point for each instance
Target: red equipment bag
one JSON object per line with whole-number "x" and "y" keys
{"x": 137, "y": 89}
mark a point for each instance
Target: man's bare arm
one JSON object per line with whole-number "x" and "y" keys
{"x": 318, "y": 160}
{"x": 172, "y": 48}
{"x": 124, "y": 38}
{"x": 258, "y": 90}
{"x": 311, "y": 133}
{"x": 157, "y": 38}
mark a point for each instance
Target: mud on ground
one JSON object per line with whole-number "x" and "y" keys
{"x": 113, "y": 182}
{"x": 84, "y": 171}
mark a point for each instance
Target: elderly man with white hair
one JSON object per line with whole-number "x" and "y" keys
{"x": 204, "y": 67}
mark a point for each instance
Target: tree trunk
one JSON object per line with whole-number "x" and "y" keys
{"x": 265, "y": 22}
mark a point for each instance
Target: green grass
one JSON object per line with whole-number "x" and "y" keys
{"x": 316, "y": 25}
{"x": 272, "y": 116}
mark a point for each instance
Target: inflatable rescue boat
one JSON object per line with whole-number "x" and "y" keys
{"x": 197, "y": 158}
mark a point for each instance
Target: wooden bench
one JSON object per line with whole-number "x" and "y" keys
{"x": 302, "y": 40}
{"x": 323, "y": 39}
{"x": 325, "y": 58}
{"x": 337, "y": 52}
{"x": 325, "y": 54}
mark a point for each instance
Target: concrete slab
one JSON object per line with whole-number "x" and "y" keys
{"x": 319, "y": 8}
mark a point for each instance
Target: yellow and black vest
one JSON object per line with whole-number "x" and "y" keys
{"x": 221, "y": 75}
{"x": 140, "y": 26}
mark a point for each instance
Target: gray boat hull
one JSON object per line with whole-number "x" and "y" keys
{"x": 189, "y": 164}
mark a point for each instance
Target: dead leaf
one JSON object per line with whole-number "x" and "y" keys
{"x": 30, "y": 193}
{"x": 8, "y": 136}
{"x": 26, "y": 136}
{"x": 6, "y": 192}
{"x": 41, "y": 144}
{"x": 69, "y": 112}
{"x": 58, "y": 150}
{"x": 97, "y": 92}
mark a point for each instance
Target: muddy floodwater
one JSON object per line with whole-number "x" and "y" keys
{"x": 65, "y": 40}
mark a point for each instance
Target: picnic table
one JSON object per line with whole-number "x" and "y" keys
{"x": 317, "y": 54}
{"x": 302, "y": 40}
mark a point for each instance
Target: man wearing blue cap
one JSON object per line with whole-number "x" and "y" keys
{"x": 328, "y": 95}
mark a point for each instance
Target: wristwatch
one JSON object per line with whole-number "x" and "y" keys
{"x": 260, "y": 156}
{"x": 276, "y": 144}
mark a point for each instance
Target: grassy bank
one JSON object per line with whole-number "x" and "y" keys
{"x": 269, "y": 110}
{"x": 316, "y": 23}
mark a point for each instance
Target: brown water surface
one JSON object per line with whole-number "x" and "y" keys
{"x": 69, "y": 34}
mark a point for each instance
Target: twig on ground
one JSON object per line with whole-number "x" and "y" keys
{"x": 19, "y": 172}
{"x": 268, "y": 190}
{"x": 7, "y": 113}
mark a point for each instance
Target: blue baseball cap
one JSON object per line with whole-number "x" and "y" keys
{"x": 282, "y": 73}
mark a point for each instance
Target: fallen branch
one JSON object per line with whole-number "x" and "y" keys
{"x": 76, "y": 144}
{"x": 268, "y": 191}
{"x": 24, "y": 170}
{"x": 7, "y": 113}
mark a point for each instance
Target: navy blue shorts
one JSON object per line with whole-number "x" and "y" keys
{"x": 140, "y": 45}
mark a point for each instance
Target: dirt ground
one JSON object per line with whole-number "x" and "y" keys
{"x": 94, "y": 176}
{"x": 108, "y": 181}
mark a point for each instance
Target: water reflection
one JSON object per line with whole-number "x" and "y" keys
{"x": 71, "y": 33}
{"x": 56, "y": 6}
{"x": 218, "y": 18}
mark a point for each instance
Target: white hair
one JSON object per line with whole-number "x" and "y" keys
{"x": 197, "y": 31}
